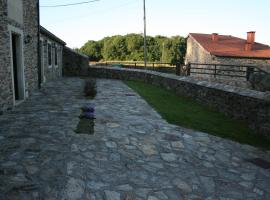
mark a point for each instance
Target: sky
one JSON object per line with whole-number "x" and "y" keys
{"x": 79, "y": 23}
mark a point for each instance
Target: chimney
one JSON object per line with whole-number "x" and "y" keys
{"x": 250, "y": 40}
{"x": 251, "y": 37}
{"x": 248, "y": 47}
{"x": 214, "y": 37}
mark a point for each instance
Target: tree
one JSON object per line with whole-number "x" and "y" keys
{"x": 92, "y": 49}
{"x": 130, "y": 47}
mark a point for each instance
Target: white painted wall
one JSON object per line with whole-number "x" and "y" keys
{"x": 15, "y": 10}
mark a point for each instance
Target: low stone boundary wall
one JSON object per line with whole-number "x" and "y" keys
{"x": 74, "y": 63}
{"x": 250, "y": 106}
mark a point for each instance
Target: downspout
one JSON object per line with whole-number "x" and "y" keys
{"x": 38, "y": 46}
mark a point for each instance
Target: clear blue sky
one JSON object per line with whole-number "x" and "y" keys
{"x": 78, "y": 24}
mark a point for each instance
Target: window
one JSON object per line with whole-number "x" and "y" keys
{"x": 55, "y": 56}
{"x": 49, "y": 54}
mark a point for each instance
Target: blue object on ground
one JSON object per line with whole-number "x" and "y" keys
{"x": 88, "y": 115}
{"x": 88, "y": 109}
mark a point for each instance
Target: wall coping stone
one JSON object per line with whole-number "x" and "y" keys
{"x": 218, "y": 86}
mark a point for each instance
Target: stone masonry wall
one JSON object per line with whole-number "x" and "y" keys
{"x": 250, "y": 106}
{"x": 31, "y": 49}
{"x": 30, "y": 55}
{"x": 196, "y": 54}
{"x": 74, "y": 63}
{"x": 6, "y": 98}
{"x": 53, "y": 72}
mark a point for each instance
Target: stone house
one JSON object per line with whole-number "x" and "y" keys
{"x": 225, "y": 50}
{"x": 30, "y": 55}
{"x": 19, "y": 28}
{"x": 51, "y": 55}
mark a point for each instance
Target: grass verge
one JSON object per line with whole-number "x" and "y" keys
{"x": 186, "y": 112}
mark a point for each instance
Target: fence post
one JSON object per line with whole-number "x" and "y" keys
{"x": 177, "y": 69}
{"x": 215, "y": 73}
{"x": 188, "y": 69}
{"x": 135, "y": 64}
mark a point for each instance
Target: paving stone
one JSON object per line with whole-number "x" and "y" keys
{"x": 74, "y": 189}
{"x": 183, "y": 186}
{"x": 125, "y": 187}
{"x": 248, "y": 177}
{"x": 169, "y": 157}
{"x": 70, "y": 167}
{"x": 152, "y": 198}
{"x": 93, "y": 185}
{"x": 32, "y": 169}
{"x": 177, "y": 145}
{"x": 130, "y": 197}
{"x": 115, "y": 157}
{"x": 89, "y": 155}
{"x": 74, "y": 148}
{"x": 149, "y": 150}
{"x": 133, "y": 152}
{"x": 246, "y": 184}
{"x": 204, "y": 139}
{"x": 112, "y": 195}
{"x": 112, "y": 125}
{"x": 258, "y": 191}
{"x": 208, "y": 184}
{"x": 161, "y": 195}
{"x": 111, "y": 144}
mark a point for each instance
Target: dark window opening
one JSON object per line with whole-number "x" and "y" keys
{"x": 55, "y": 56}
{"x": 49, "y": 54}
{"x": 15, "y": 66}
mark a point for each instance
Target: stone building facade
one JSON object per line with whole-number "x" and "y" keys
{"x": 51, "y": 55}
{"x": 75, "y": 63}
{"x": 225, "y": 50}
{"x": 18, "y": 51}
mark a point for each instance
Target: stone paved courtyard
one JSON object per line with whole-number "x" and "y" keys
{"x": 134, "y": 154}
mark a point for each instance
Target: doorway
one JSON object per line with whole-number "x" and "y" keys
{"x": 43, "y": 78}
{"x": 17, "y": 67}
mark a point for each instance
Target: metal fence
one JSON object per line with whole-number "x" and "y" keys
{"x": 222, "y": 70}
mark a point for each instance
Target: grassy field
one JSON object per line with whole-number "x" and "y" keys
{"x": 187, "y": 113}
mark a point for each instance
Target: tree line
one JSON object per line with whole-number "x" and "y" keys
{"x": 130, "y": 48}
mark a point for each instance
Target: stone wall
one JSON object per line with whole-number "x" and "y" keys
{"x": 74, "y": 63}
{"x": 28, "y": 26}
{"x": 250, "y": 106}
{"x": 53, "y": 71}
{"x": 196, "y": 53}
{"x": 6, "y": 99}
{"x": 31, "y": 49}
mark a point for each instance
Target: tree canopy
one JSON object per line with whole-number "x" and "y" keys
{"x": 130, "y": 48}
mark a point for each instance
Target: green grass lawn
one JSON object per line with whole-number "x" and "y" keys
{"x": 187, "y": 113}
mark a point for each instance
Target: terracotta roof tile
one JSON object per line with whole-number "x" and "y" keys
{"x": 229, "y": 46}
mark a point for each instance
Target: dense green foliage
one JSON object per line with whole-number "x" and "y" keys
{"x": 187, "y": 113}
{"x": 130, "y": 48}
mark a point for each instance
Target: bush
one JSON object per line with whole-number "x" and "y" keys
{"x": 90, "y": 88}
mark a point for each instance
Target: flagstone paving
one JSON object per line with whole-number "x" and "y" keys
{"x": 134, "y": 154}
